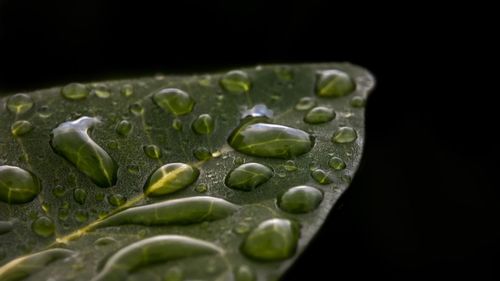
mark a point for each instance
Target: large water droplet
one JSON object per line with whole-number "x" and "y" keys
{"x": 75, "y": 91}
{"x": 17, "y": 185}
{"x": 80, "y": 195}
{"x": 235, "y": 81}
{"x": 300, "y": 199}
{"x": 336, "y": 163}
{"x": 5, "y": 226}
{"x": 321, "y": 176}
{"x": 19, "y": 103}
{"x": 152, "y": 151}
{"x": 320, "y": 114}
{"x": 170, "y": 178}
{"x": 123, "y": 128}
{"x": 270, "y": 140}
{"x": 43, "y": 226}
{"x": 20, "y": 128}
{"x": 272, "y": 240}
{"x": 305, "y": 103}
{"x": 248, "y": 176}
{"x": 174, "y": 101}
{"x": 345, "y": 135}
{"x": 203, "y": 125}
{"x": 72, "y": 141}
{"x": 334, "y": 83}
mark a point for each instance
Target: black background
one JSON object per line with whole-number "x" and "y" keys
{"x": 423, "y": 206}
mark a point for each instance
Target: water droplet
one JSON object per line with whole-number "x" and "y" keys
{"x": 117, "y": 200}
{"x": 81, "y": 216}
{"x": 202, "y": 153}
{"x": 136, "y": 108}
{"x": 321, "y": 176}
{"x": 17, "y": 185}
{"x": 103, "y": 241}
{"x": 101, "y": 91}
{"x": 123, "y": 128}
{"x": 346, "y": 178}
{"x": 238, "y": 161}
{"x": 99, "y": 196}
{"x": 203, "y": 125}
{"x": 270, "y": 140}
{"x": 290, "y": 166}
{"x": 336, "y": 163}
{"x": 75, "y": 91}
{"x": 152, "y": 151}
{"x": 284, "y": 73}
{"x": 357, "y": 102}
{"x": 320, "y": 114}
{"x": 334, "y": 83}
{"x": 23, "y": 268}
{"x": 344, "y": 135}
{"x": 235, "y": 81}
{"x": 174, "y": 101}
{"x": 44, "y": 112}
{"x": 21, "y": 127}
{"x": 43, "y": 226}
{"x": 80, "y": 195}
{"x": 248, "y": 176}
{"x": 201, "y": 188}
{"x": 170, "y": 178}
{"x": 5, "y": 226}
{"x": 177, "y": 124}
{"x": 259, "y": 110}
{"x": 72, "y": 141}
{"x": 244, "y": 273}
{"x": 19, "y": 103}
{"x": 58, "y": 191}
{"x": 272, "y": 240}
{"x": 127, "y": 90}
{"x": 133, "y": 169}
{"x": 305, "y": 103}
{"x": 300, "y": 199}
{"x": 242, "y": 228}
{"x": 63, "y": 214}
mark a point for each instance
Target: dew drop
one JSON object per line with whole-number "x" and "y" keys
{"x": 177, "y": 124}
{"x": 101, "y": 91}
{"x": 81, "y": 216}
{"x": 259, "y": 110}
{"x": 174, "y": 101}
{"x": 358, "y": 102}
{"x": 44, "y": 112}
{"x": 242, "y": 228}
{"x": 320, "y": 114}
{"x": 300, "y": 199}
{"x": 305, "y": 103}
{"x": 63, "y": 214}
{"x": 235, "y": 81}
{"x": 136, "y": 108}
{"x": 244, "y": 273}
{"x": 203, "y": 125}
{"x": 58, "y": 191}
{"x": 248, "y": 176}
{"x": 75, "y": 91}
{"x": 127, "y": 90}
{"x": 5, "y": 227}
{"x": 170, "y": 178}
{"x": 334, "y": 83}
{"x": 19, "y": 103}
{"x": 17, "y": 185}
{"x": 80, "y": 195}
{"x": 321, "y": 176}
{"x": 152, "y": 151}
{"x": 20, "y": 128}
{"x": 103, "y": 241}
{"x": 133, "y": 169}
{"x": 290, "y": 166}
{"x": 345, "y": 135}
{"x": 117, "y": 200}
{"x": 202, "y": 153}
{"x": 99, "y": 196}
{"x": 336, "y": 163}
{"x": 43, "y": 226}
{"x": 123, "y": 128}
{"x": 272, "y": 240}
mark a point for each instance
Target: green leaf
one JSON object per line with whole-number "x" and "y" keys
{"x": 223, "y": 176}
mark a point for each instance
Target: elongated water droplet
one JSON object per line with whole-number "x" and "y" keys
{"x": 336, "y": 163}
{"x": 321, "y": 176}
{"x": 170, "y": 178}
{"x": 20, "y": 128}
{"x": 244, "y": 273}
{"x": 80, "y": 195}
{"x": 101, "y": 91}
{"x": 75, "y": 91}
{"x": 152, "y": 251}
{"x": 334, "y": 83}
{"x": 123, "y": 128}
{"x": 202, "y": 153}
{"x": 19, "y": 103}
{"x": 117, "y": 200}
{"x": 71, "y": 140}
{"x": 43, "y": 226}
{"x": 270, "y": 140}
{"x": 345, "y": 135}
{"x": 357, "y": 102}
{"x": 248, "y": 176}
{"x": 236, "y": 81}
{"x": 174, "y": 212}
{"x": 5, "y": 226}
{"x": 300, "y": 199}
{"x": 17, "y": 185}
{"x": 174, "y": 101}
{"x": 305, "y": 103}
{"x": 272, "y": 240}
{"x": 152, "y": 151}
{"x": 320, "y": 114}
{"x": 203, "y": 125}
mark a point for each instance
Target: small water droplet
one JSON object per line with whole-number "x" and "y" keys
{"x": 174, "y": 101}
{"x": 320, "y": 114}
{"x": 358, "y": 102}
{"x": 248, "y": 176}
{"x": 99, "y": 196}
{"x": 123, "y": 128}
{"x": 300, "y": 199}
{"x": 127, "y": 90}
{"x": 242, "y": 228}
{"x": 43, "y": 226}
{"x": 201, "y": 188}
{"x": 345, "y": 135}
{"x": 101, "y": 91}
{"x": 334, "y": 83}
{"x": 81, "y": 216}
{"x": 235, "y": 81}
{"x": 152, "y": 151}
{"x": 321, "y": 176}
{"x": 177, "y": 124}
{"x": 346, "y": 178}
{"x": 170, "y": 178}
{"x": 17, "y": 185}
{"x": 244, "y": 273}
{"x": 133, "y": 169}
{"x": 203, "y": 125}
{"x": 305, "y": 103}
{"x": 20, "y": 128}
{"x": 136, "y": 108}
{"x": 63, "y": 214}
{"x": 103, "y": 241}
{"x": 117, "y": 200}
{"x": 284, "y": 73}
{"x": 44, "y": 112}
{"x": 336, "y": 163}
{"x": 80, "y": 195}
{"x": 259, "y": 110}
{"x": 202, "y": 153}
{"x": 19, "y": 103}
{"x": 75, "y": 91}
{"x": 290, "y": 166}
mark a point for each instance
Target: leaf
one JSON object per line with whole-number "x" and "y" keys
{"x": 223, "y": 176}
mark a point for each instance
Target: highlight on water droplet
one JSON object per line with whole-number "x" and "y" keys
{"x": 321, "y": 176}
{"x": 345, "y": 135}
{"x": 235, "y": 81}
{"x": 170, "y": 178}
{"x": 75, "y": 91}
{"x": 248, "y": 176}
{"x": 19, "y": 103}
{"x": 305, "y": 103}
{"x": 123, "y": 128}
{"x": 43, "y": 226}
{"x": 336, "y": 163}
{"x": 174, "y": 101}
{"x": 300, "y": 199}
{"x": 203, "y": 124}
{"x": 334, "y": 83}
{"x": 20, "y": 128}
{"x": 17, "y": 185}
{"x": 152, "y": 151}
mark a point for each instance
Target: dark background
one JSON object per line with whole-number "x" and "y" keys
{"x": 423, "y": 206}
